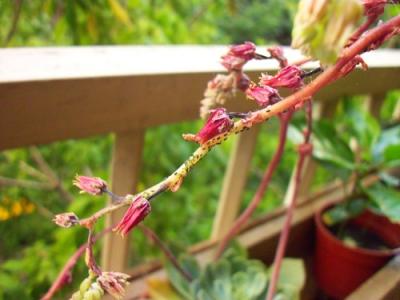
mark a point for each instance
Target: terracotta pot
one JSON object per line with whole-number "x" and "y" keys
{"x": 340, "y": 269}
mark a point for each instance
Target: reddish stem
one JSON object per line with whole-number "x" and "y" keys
{"x": 283, "y": 239}
{"x": 151, "y": 235}
{"x": 89, "y": 259}
{"x": 64, "y": 276}
{"x": 356, "y": 35}
{"x": 245, "y": 216}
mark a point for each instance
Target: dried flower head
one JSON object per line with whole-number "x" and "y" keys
{"x": 218, "y": 122}
{"x": 288, "y": 77}
{"x": 91, "y": 185}
{"x": 263, "y": 95}
{"x": 238, "y": 55}
{"x": 113, "y": 283}
{"x": 66, "y": 220}
{"x": 322, "y": 28}
{"x": 136, "y": 212}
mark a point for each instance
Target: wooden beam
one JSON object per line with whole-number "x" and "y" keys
{"x": 234, "y": 182}
{"x": 374, "y": 103}
{"x": 73, "y": 99}
{"x": 383, "y": 285}
{"x": 125, "y": 174}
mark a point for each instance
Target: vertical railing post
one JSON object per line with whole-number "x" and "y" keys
{"x": 126, "y": 162}
{"x": 234, "y": 182}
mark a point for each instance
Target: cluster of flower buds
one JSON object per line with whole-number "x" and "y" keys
{"x": 88, "y": 290}
{"x": 66, "y": 220}
{"x": 113, "y": 283}
{"x": 217, "y": 123}
{"x": 322, "y": 27}
{"x": 136, "y": 212}
{"x": 238, "y": 56}
{"x": 91, "y": 185}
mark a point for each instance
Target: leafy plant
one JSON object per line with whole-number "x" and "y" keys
{"x": 375, "y": 149}
{"x": 233, "y": 277}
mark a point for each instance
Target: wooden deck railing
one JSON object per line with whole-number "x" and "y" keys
{"x": 53, "y": 94}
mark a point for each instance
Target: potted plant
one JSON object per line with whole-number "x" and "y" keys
{"x": 357, "y": 235}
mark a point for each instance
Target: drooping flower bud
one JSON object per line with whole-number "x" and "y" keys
{"x": 218, "y": 122}
{"x": 352, "y": 64}
{"x": 91, "y": 185}
{"x": 277, "y": 53}
{"x": 238, "y": 55}
{"x": 263, "y": 95}
{"x": 113, "y": 283}
{"x": 66, "y": 220}
{"x": 137, "y": 211}
{"x": 322, "y": 27}
{"x": 374, "y": 8}
{"x": 288, "y": 77}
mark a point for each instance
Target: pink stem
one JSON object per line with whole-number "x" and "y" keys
{"x": 151, "y": 235}
{"x": 245, "y": 216}
{"x": 284, "y": 237}
{"x": 89, "y": 259}
{"x": 64, "y": 276}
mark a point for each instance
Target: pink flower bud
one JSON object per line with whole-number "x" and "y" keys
{"x": 66, "y": 220}
{"x": 263, "y": 95}
{"x": 246, "y": 51}
{"x": 238, "y": 55}
{"x": 374, "y": 8}
{"x": 277, "y": 53}
{"x": 137, "y": 211}
{"x": 114, "y": 283}
{"x": 288, "y": 77}
{"x": 91, "y": 185}
{"x": 218, "y": 122}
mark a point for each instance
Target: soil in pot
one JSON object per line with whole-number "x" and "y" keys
{"x": 340, "y": 267}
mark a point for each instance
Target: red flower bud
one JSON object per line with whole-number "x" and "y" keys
{"x": 137, "y": 211}
{"x": 218, "y": 122}
{"x": 374, "y": 8}
{"x": 91, "y": 185}
{"x": 238, "y": 55}
{"x": 288, "y": 77}
{"x": 263, "y": 95}
{"x": 66, "y": 220}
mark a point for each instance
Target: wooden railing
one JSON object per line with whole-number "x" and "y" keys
{"x": 52, "y": 94}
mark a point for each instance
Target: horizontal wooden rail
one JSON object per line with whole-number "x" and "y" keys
{"x": 54, "y": 94}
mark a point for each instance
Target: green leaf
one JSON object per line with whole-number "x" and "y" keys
{"x": 179, "y": 282}
{"x": 331, "y": 150}
{"x": 292, "y": 278}
{"x": 363, "y": 126}
{"x": 387, "y": 201}
{"x": 385, "y": 148}
{"x": 343, "y": 211}
{"x": 391, "y": 156}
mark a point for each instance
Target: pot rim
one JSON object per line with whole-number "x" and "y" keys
{"x": 321, "y": 226}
